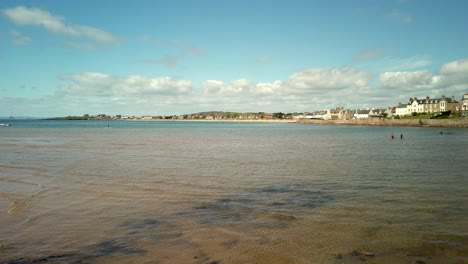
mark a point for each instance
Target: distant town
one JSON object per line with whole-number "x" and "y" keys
{"x": 443, "y": 107}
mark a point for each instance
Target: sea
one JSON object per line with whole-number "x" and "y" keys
{"x": 231, "y": 192}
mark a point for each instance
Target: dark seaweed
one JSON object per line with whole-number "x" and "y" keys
{"x": 60, "y": 258}
{"x": 271, "y": 206}
{"x": 111, "y": 247}
{"x": 160, "y": 230}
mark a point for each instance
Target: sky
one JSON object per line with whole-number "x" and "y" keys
{"x": 60, "y": 58}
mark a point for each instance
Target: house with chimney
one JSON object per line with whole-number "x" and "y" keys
{"x": 401, "y": 109}
{"x": 429, "y": 105}
{"x": 361, "y": 114}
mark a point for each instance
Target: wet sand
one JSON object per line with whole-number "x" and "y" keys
{"x": 230, "y": 193}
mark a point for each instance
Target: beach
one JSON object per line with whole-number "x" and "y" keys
{"x": 231, "y": 192}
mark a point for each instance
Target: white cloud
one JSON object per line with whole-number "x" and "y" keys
{"x": 455, "y": 67}
{"x": 309, "y": 81}
{"x": 325, "y": 80}
{"x": 25, "y": 16}
{"x": 211, "y": 87}
{"x": 306, "y": 90}
{"x": 300, "y": 90}
{"x": 99, "y": 84}
{"x": 404, "y": 64}
{"x": 319, "y": 88}
{"x": 19, "y": 38}
{"x": 452, "y": 78}
{"x": 407, "y": 80}
{"x": 267, "y": 88}
{"x": 219, "y": 88}
{"x": 455, "y": 77}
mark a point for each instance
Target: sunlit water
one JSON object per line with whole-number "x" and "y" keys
{"x": 195, "y": 192}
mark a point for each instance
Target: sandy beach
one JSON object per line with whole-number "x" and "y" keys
{"x": 228, "y": 193}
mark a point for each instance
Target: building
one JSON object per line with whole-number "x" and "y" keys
{"x": 401, "y": 109}
{"x": 333, "y": 114}
{"x": 389, "y": 112}
{"x": 428, "y": 105}
{"x": 338, "y": 113}
{"x": 464, "y": 105}
{"x": 376, "y": 112}
{"x": 361, "y": 114}
{"x": 416, "y": 105}
{"x": 317, "y": 115}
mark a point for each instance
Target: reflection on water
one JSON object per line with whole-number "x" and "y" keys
{"x": 231, "y": 193}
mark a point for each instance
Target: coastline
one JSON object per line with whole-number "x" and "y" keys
{"x": 446, "y": 123}
{"x": 220, "y": 120}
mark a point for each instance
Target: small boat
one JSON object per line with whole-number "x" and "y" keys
{"x": 7, "y": 124}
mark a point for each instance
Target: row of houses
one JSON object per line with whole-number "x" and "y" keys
{"x": 433, "y": 105}
{"x": 340, "y": 113}
{"x": 415, "y": 105}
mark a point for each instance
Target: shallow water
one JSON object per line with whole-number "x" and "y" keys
{"x": 182, "y": 192}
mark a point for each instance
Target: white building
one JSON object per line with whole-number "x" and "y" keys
{"x": 464, "y": 105}
{"x": 361, "y": 114}
{"x": 401, "y": 110}
{"x": 427, "y": 105}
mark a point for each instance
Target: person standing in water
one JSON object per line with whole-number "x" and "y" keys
{"x": 392, "y": 136}
{"x": 401, "y": 135}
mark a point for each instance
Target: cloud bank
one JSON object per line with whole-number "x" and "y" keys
{"x": 452, "y": 78}
{"x": 307, "y": 90}
{"x": 104, "y": 85}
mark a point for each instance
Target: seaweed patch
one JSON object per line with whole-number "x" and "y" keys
{"x": 57, "y": 258}
{"x": 158, "y": 229}
{"x": 270, "y": 206}
{"x": 140, "y": 225}
{"x": 202, "y": 258}
{"x": 110, "y": 247}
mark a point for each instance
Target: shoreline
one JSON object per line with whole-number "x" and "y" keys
{"x": 219, "y": 120}
{"x": 445, "y": 123}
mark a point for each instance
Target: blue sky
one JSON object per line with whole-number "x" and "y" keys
{"x": 174, "y": 57}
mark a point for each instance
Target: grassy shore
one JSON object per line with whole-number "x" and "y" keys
{"x": 452, "y": 123}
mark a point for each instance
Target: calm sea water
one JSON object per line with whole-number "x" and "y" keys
{"x": 201, "y": 192}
